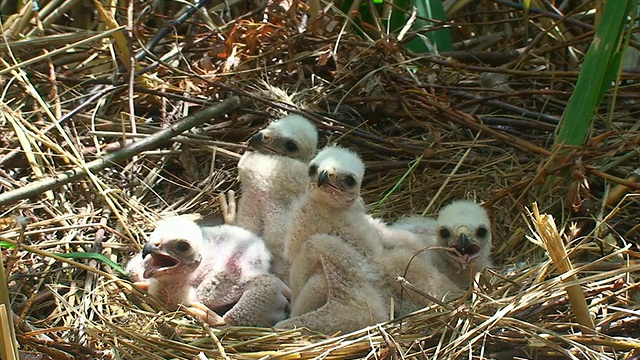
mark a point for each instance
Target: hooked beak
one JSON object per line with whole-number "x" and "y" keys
{"x": 323, "y": 178}
{"x": 464, "y": 241}
{"x": 148, "y": 249}
{"x": 256, "y": 140}
{"x": 468, "y": 251}
{"x": 265, "y": 144}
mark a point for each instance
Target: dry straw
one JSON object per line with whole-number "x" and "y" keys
{"x": 474, "y": 123}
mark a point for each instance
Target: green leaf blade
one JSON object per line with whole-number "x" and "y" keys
{"x": 599, "y": 69}
{"x": 95, "y": 256}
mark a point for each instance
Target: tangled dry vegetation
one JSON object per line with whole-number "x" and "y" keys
{"x": 476, "y": 122}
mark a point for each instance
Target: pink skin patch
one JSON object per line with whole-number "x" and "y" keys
{"x": 463, "y": 257}
{"x": 332, "y": 190}
{"x": 158, "y": 262}
{"x": 336, "y": 193}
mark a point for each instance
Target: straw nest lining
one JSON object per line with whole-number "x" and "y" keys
{"x": 431, "y": 129}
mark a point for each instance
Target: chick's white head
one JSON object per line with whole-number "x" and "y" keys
{"x": 292, "y": 136}
{"x": 173, "y": 248}
{"x": 335, "y": 177}
{"x": 464, "y": 230}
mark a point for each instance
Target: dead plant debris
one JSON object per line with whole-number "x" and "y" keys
{"x": 475, "y": 123}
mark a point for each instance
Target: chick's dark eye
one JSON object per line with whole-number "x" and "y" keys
{"x": 482, "y": 232}
{"x": 313, "y": 170}
{"x": 183, "y": 246}
{"x": 445, "y": 233}
{"x": 290, "y": 146}
{"x": 350, "y": 181}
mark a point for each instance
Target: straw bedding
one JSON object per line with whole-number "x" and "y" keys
{"x": 431, "y": 129}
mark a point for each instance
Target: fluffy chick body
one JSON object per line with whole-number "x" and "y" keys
{"x": 343, "y": 293}
{"x": 225, "y": 268}
{"x": 416, "y": 269}
{"x": 404, "y": 257}
{"x": 272, "y": 177}
{"x": 397, "y": 236}
{"x": 424, "y": 227}
{"x": 235, "y": 274}
{"x": 330, "y": 205}
{"x": 438, "y": 259}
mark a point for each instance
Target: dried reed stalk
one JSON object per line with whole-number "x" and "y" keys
{"x": 553, "y": 244}
{"x": 8, "y": 344}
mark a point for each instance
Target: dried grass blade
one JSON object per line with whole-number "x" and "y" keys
{"x": 17, "y": 23}
{"x": 24, "y": 63}
{"x": 118, "y": 37}
{"x": 52, "y": 11}
{"x": 27, "y": 147}
{"x": 100, "y": 164}
{"x": 47, "y": 41}
{"x": 31, "y": 89}
{"x": 446, "y": 182}
{"x": 396, "y": 187}
{"x": 552, "y": 242}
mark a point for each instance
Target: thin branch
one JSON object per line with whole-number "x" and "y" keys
{"x": 128, "y": 152}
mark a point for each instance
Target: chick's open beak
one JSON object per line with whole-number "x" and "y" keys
{"x": 466, "y": 250}
{"x": 157, "y": 260}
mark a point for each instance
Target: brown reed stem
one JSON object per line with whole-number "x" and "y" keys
{"x": 552, "y": 241}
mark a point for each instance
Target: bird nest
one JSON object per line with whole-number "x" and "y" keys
{"x": 477, "y": 122}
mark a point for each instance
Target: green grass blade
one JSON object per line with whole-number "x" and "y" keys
{"x": 395, "y": 188}
{"x": 432, "y": 41}
{"x": 96, "y": 256}
{"x": 610, "y": 74}
{"x": 440, "y": 39}
{"x": 6, "y": 245}
{"x": 600, "y": 66}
